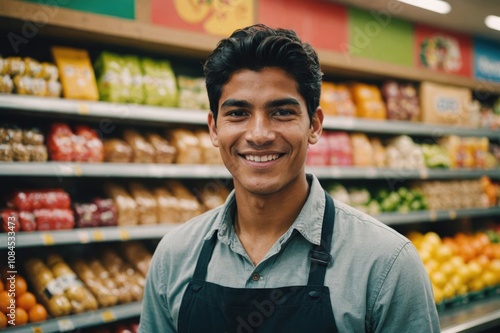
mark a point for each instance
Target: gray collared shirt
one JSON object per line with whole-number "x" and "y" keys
{"x": 376, "y": 279}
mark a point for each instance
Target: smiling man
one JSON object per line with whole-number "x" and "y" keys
{"x": 280, "y": 255}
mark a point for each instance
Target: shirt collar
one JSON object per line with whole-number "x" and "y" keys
{"x": 308, "y": 223}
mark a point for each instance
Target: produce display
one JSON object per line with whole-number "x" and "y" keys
{"x": 21, "y": 145}
{"x": 462, "y": 267}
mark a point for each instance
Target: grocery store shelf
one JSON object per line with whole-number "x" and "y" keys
{"x": 87, "y": 235}
{"x": 400, "y": 127}
{"x": 434, "y": 216}
{"x": 199, "y": 117}
{"x": 82, "y": 320}
{"x": 146, "y": 170}
{"x": 475, "y": 316}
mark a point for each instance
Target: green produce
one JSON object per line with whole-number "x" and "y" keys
{"x": 435, "y": 156}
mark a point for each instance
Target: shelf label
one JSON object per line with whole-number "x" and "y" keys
{"x": 98, "y": 235}
{"x": 65, "y": 325}
{"x": 108, "y": 316}
{"x": 83, "y": 108}
{"x": 423, "y": 173}
{"x": 78, "y": 170}
{"x": 124, "y": 235}
{"x": 371, "y": 172}
{"x": 452, "y": 214}
{"x": 47, "y": 239}
{"x": 37, "y": 329}
{"x": 83, "y": 236}
{"x": 335, "y": 172}
{"x": 433, "y": 215}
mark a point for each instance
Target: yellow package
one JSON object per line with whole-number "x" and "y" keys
{"x": 328, "y": 98}
{"x": 76, "y": 73}
{"x": 362, "y": 150}
{"x": 368, "y": 101}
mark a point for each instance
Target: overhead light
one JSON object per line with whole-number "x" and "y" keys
{"x": 438, "y": 6}
{"x": 492, "y": 22}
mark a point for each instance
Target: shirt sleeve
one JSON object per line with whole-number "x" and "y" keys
{"x": 155, "y": 314}
{"x": 405, "y": 302}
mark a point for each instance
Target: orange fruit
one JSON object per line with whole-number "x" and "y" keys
{"x": 21, "y": 285}
{"x": 4, "y": 301}
{"x": 3, "y": 320}
{"x": 21, "y": 317}
{"x": 37, "y": 313}
{"x": 26, "y": 301}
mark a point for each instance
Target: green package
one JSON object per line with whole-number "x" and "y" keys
{"x": 159, "y": 82}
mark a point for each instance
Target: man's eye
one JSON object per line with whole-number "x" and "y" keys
{"x": 283, "y": 112}
{"x": 236, "y": 113}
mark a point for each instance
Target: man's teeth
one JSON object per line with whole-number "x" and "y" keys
{"x": 265, "y": 158}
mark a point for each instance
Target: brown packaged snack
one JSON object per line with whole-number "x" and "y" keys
{"x": 362, "y": 150}
{"x": 20, "y": 152}
{"x": 105, "y": 297}
{"x": 143, "y": 151}
{"x": 6, "y": 152}
{"x": 49, "y": 72}
{"x": 168, "y": 210}
{"x": 137, "y": 255}
{"x": 187, "y": 145}
{"x": 146, "y": 203}
{"x": 107, "y": 280}
{"x": 32, "y": 137}
{"x": 32, "y": 67}
{"x": 189, "y": 204}
{"x": 126, "y": 207}
{"x": 211, "y": 154}
{"x": 116, "y": 150}
{"x": 54, "y": 89}
{"x": 38, "y": 153}
{"x": 164, "y": 151}
{"x": 14, "y": 66}
{"x": 212, "y": 194}
{"x": 128, "y": 280}
{"x": 6, "y": 84}
{"x": 10, "y": 135}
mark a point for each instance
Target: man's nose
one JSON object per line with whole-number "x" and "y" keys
{"x": 260, "y": 130}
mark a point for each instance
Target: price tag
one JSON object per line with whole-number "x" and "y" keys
{"x": 48, "y": 239}
{"x": 65, "y": 325}
{"x": 432, "y": 215}
{"x": 83, "y": 236}
{"x": 108, "y": 316}
{"x": 452, "y": 214}
{"x": 371, "y": 172}
{"x": 83, "y": 108}
{"x": 336, "y": 172}
{"x": 98, "y": 236}
{"x": 78, "y": 170}
{"x": 124, "y": 235}
{"x": 423, "y": 173}
{"x": 37, "y": 329}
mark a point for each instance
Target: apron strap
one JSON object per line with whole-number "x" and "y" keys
{"x": 200, "y": 272}
{"x": 320, "y": 254}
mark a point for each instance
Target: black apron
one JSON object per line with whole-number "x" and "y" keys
{"x": 210, "y": 308}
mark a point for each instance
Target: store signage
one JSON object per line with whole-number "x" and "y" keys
{"x": 486, "y": 59}
{"x": 118, "y": 8}
{"x": 443, "y": 51}
{"x": 213, "y": 17}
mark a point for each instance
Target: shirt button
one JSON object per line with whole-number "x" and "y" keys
{"x": 255, "y": 276}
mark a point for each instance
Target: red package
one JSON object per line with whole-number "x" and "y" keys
{"x": 86, "y": 215}
{"x": 93, "y": 144}
{"x": 38, "y": 199}
{"x": 10, "y": 220}
{"x": 317, "y": 154}
{"x": 21, "y": 201}
{"x": 27, "y": 220}
{"x": 60, "y": 142}
{"x": 54, "y": 219}
{"x": 107, "y": 212}
{"x": 340, "y": 149}
{"x": 81, "y": 152}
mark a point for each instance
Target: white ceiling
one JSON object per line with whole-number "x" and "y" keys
{"x": 465, "y": 16}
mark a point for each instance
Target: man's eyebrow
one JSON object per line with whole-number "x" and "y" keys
{"x": 235, "y": 102}
{"x": 282, "y": 101}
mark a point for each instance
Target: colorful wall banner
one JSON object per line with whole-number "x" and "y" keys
{"x": 486, "y": 59}
{"x": 320, "y": 23}
{"x": 443, "y": 51}
{"x": 380, "y": 36}
{"x": 117, "y": 8}
{"x": 213, "y": 17}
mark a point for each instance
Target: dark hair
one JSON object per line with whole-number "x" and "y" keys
{"x": 256, "y": 47}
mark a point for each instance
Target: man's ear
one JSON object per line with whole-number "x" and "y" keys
{"x": 212, "y": 128}
{"x": 316, "y": 126}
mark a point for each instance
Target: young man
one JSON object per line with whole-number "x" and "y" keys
{"x": 280, "y": 255}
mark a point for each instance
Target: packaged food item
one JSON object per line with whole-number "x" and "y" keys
{"x": 339, "y": 148}
{"x": 136, "y": 254}
{"x": 146, "y": 203}
{"x": 14, "y": 66}
{"x": 10, "y": 220}
{"x": 402, "y": 152}
{"x": 211, "y": 154}
{"x": 76, "y": 72}
{"x": 27, "y": 221}
{"x": 368, "y": 101}
{"x": 86, "y": 215}
{"x": 20, "y": 152}
{"x": 37, "y": 199}
{"x": 401, "y": 101}
{"x": 211, "y": 193}
{"x": 60, "y": 142}
{"x": 379, "y": 154}
{"x": 129, "y": 280}
{"x": 105, "y": 293}
{"x": 461, "y": 156}
{"x": 47, "y": 288}
{"x": 38, "y": 153}
{"x": 26, "y": 85}
{"x": 192, "y": 93}
{"x": 168, "y": 210}
{"x": 6, "y": 84}
{"x": 187, "y": 145}
{"x": 6, "y": 152}
{"x": 336, "y": 100}
{"x": 80, "y": 297}
{"x": 318, "y": 153}
{"x": 32, "y": 137}
{"x": 159, "y": 82}
{"x": 49, "y": 72}
{"x": 3, "y": 66}
{"x": 126, "y": 207}
{"x": 54, "y": 219}
{"x": 32, "y": 67}
{"x": 92, "y": 143}
{"x": 116, "y": 150}
{"x": 143, "y": 151}
{"x": 164, "y": 151}
{"x": 190, "y": 207}
{"x": 54, "y": 89}
{"x": 106, "y": 211}
{"x": 362, "y": 150}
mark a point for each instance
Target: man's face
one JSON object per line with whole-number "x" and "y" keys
{"x": 263, "y": 130}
